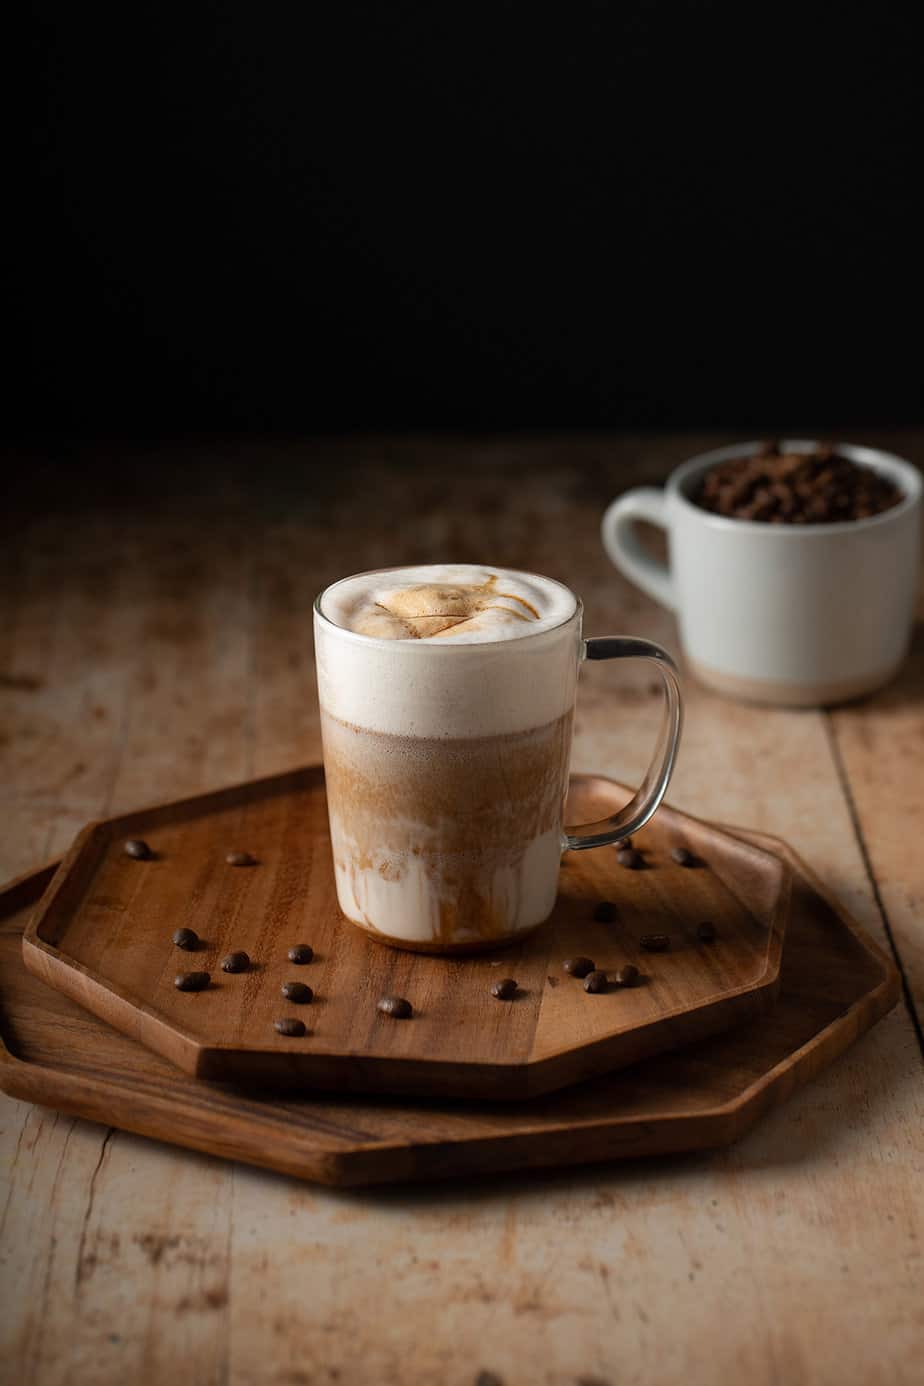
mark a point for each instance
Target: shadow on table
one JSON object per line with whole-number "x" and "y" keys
{"x": 905, "y": 691}
{"x": 839, "y": 1116}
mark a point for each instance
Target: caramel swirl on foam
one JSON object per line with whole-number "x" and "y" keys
{"x": 433, "y": 610}
{"x": 463, "y": 603}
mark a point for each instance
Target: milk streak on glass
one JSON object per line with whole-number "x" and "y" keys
{"x": 446, "y": 705}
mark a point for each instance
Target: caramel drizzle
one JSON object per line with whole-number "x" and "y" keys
{"x": 455, "y": 618}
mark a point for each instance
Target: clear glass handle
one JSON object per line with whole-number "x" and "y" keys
{"x": 643, "y": 804}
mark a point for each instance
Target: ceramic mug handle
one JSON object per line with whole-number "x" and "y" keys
{"x": 643, "y": 803}
{"x": 622, "y": 544}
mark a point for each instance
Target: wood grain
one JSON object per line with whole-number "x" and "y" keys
{"x": 835, "y": 985}
{"x": 103, "y": 936}
{"x": 793, "y": 1255}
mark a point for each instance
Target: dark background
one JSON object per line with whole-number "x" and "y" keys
{"x": 243, "y": 216}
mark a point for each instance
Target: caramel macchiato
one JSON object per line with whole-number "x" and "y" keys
{"x": 447, "y": 694}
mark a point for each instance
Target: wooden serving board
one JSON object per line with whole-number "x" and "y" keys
{"x": 835, "y": 984}
{"x": 103, "y": 936}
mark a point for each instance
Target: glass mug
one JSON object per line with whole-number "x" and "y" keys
{"x": 446, "y": 766}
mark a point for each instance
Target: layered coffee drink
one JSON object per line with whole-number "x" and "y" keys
{"x": 446, "y": 707}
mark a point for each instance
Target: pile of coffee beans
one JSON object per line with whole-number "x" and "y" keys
{"x": 795, "y": 488}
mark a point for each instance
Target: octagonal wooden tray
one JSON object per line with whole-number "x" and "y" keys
{"x": 835, "y": 984}
{"x": 103, "y": 936}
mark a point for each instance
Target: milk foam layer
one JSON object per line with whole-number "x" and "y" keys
{"x": 504, "y": 673}
{"x": 458, "y": 602}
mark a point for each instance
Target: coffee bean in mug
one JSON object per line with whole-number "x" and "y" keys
{"x": 447, "y": 698}
{"x": 794, "y": 579}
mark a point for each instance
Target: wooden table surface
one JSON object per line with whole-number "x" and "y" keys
{"x": 155, "y": 640}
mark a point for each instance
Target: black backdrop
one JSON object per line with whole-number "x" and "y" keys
{"x": 323, "y": 216}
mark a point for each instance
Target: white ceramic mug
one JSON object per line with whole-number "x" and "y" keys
{"x": 796, "y": 615}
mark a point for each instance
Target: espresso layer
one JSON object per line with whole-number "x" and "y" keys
{"x": 441, "y": 842}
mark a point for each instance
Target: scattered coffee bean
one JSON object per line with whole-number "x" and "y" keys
{"x": 395, "y": 1006}
{"x": 630, "y": 859}
{"x": 624, "y": 843}
{"x": 301, "y": 953}
{"x": 705, "y": 932}
{"x": 655, "y": 943}
{"x": 240, "y": 859}
{"x": 137, "y": 847}
{"x": 605, "y": 912}
{"x": 191, "y": 981}
{"x": 578, "y": 967}
{"x": 238, "y": 961}
{"x": 505, "y": 989}
{"x": 297, "y": 992}
{"x": 186, "y": 939}
{"x": 293, "y": 1029}
{"x": 595, "y": 982}
{"x": 683, "y": 857}
{"x": 627, "y": 975}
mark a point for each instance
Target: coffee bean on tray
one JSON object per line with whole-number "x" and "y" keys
{"x": 187, "y": 939}
{"x": 238, "y": 961}
{"x": 630, "y": 859}
{"x": 300, "y": 953}
{"x": 605, "y": 912}
{"x": 655, "y": 943}
{"x": 505, "y": 989}
{"x": 626, "y": 842}
{"x": 683, "y": 857}
{"x": 191, "y": 981}
{"x": 395, "y": 1006}
{"x": 240, "y": 859}
{"x": 705, "y": 932}
{"x": 297, "y": 992}
{"x": 578, "y": 967}
{"x": 627, "y": 975}
{"x": 595, "y": 982}
{"x": 288, "y": 1026}
{"x": 137, "y": 847}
